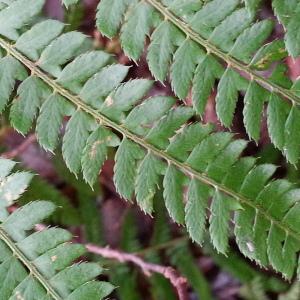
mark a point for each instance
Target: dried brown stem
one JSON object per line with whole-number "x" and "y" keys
{"x": 179, "y": 282}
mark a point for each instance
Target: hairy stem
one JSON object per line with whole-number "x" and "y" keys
{"x": 178, "y": 282}
{"x": 103, "y": 120}
{"x": 29, "y": 265}
{"x": 232, "y": 62}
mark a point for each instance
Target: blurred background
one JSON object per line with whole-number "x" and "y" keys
{"x": 101, "y": 217}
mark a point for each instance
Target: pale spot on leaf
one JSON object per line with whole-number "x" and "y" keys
{"x": 250, "y": 246}
{"x": 53, "y": 258}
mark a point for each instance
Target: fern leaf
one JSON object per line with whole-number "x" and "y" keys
{"x": 32, "y": 42}
{"x": 146, "y": 184}
{"x": 18, "y": 14}
{"x": 158, "y": 135}
{"x": 30, "y": 95}
{"x": 95, "y": 153}
{"x": 218, "y": 41}
{"x": 11, "y": 70}
{"x": 77, "y": 133}
{"x": 195, "y": 210}
{"x": 36, "y": 265}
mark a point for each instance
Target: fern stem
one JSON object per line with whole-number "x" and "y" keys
{"x": 103, "y": 120}
{"x": 232, "y": 62}
{"x": 33, "y": 270}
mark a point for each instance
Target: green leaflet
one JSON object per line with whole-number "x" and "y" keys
{"x": 81, "y": 69}
{"x": 147, "y": 180}
{"x": 31, "y": 94}
{"x": 219, "y": 219}
{"x": 6, "y": 167}
{"x": 182, "y": 70}
{"x": 110, "y": 15}
{"x": 211, "y": 15}
{"x": 277, "y": 114}
{"x": 167, "y": 126}
{"x": 288, "y": 16}
{"x": 225, "y": 34}
{"x": 268, "y": 54}
{"x": 279, "y": 77}
{"x": 123, "y": 98}
{"x": 101, "y": 84}
{"x": 33, "y": 41}
{"x": 253, "y": 109}
{"x": 185, "y": 141}
{"x": 136, "y": 28}
{"x": 227, "y": 97}
{"x": 13, "y": 186}
{"x": 173, "y": 189}
{"x": 37, "y": 265}
{"x": 284, "y": 11}
{"x": 127, "y": 156}
{"x": 10, "y": 71}
{"x": 258, "y": 175}
{"x": 246, "y": 44}
{"x": 62, "y": 50}
{"x": 226, "y": 158}
{"x": 207, "y": 151}
{"x": 186, "y": 8}
{"x": 162, "y": 48}
{"x": 95, "y": 153}
{"x": 205, "y": 76}
{"x": 23, "y": 12}
{"x": 50, "y": 121}
{"x": 292, "y": 37}
{"x": 292, "y": 136}
{"x": 195, "y": 210}
{"x": 141, "y": 117}
{"x": 75, "y": 139}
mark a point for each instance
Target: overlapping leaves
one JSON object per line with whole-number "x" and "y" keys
{"x": 37, "y": 265}
{"x": 157, "y": 143}
{"x": 200, "y": 44}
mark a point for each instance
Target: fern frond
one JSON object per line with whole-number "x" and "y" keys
{"x": 198, "y": 44}
{"x": 37, "y": 265}
{"x": 157, "y": 131}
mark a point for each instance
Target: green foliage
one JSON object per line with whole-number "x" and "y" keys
{"x": 37, "y": 265}
{"x": 40, "y": 189}
{"x": 200, "y": 44}
{"x": 183, "y": 259}
{"x": 288, "y": 14}
{"x": 158, "y": 138}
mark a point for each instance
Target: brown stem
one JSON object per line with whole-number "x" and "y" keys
{"x": 20, "y": 149}
{"x": 179, "y": 282}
